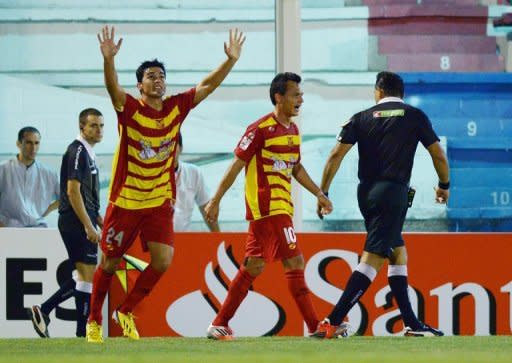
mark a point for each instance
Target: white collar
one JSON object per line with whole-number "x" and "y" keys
{"x": 390, "y": 99}
{"x": 88, "y": 147}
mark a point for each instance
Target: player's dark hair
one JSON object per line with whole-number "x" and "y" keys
{"x": 139, "y": 73}
{"x": 180, "y": 140}
{"x": 279, "y": 82}
{"x": 390, "y": 83}
{"x": 82, "y": 117}
{"x": 28, "y": 130}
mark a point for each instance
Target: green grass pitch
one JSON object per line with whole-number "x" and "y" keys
{"x": 272, "y": 349}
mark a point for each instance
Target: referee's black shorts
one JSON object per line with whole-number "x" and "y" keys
{"x": 79, "y": 248}
{"x": 383, "y": 205}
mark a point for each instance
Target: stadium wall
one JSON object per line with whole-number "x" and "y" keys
{"x": 450, "y": 288}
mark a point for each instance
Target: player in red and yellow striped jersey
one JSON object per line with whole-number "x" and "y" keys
{"x": 143, "y": 188}
{"x": 270, "y": 153}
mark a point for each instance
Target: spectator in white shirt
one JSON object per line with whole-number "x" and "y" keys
{"x": 190, "y": 191}
{"x": 29, "y": 191}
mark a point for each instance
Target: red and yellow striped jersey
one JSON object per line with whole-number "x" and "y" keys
{"x": 270, "y": 151}
{"x": 142, "y": 169}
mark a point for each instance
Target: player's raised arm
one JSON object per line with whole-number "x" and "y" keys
{"x": 109, "y": 50}
{"x": 215, "y": 78}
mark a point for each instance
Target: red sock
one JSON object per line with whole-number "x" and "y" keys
{"x": 100, "y": 285}
{"x": 237, "y": 292}
{"x": 143, "y": 286}
{"x": 301, "y": 294}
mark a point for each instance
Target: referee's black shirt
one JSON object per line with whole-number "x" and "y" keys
{"x": 387, "y": 135}
{"x": 77, "y": 164}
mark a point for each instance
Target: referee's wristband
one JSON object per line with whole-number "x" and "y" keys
{"x": 444, "y": 186}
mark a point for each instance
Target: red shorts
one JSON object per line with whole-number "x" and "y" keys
{"x": 122, "y": 226}
{"x": 272, "y": 238}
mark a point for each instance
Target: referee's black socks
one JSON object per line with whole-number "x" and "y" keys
{"x": 357, "y": 285}
{"x": 83, "y": 300}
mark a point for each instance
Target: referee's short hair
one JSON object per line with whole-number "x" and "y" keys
{"x": 390, "y": 83}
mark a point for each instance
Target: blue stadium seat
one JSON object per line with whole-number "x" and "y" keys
{"x": 488, "y": 152}
{"x": 472, "y": 127}
{"x": 480, "y": 177}
{"x": 489, "y": 199}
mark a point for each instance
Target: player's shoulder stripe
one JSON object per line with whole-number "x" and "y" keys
{"x": 267, "y": 122}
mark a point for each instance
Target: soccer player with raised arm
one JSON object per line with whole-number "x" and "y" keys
{"x": 143, "y": 187}
{"x": 270, "y": 153}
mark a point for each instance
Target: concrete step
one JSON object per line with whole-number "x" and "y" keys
{"x": 389, "y": 44}
{"x": 448, "y": 62}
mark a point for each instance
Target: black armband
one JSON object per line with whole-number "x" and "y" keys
{"x": 444, "y": 186}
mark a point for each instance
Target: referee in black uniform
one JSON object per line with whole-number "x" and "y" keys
{"x": 387, "y": 135}
{"x": 79, "y": 216}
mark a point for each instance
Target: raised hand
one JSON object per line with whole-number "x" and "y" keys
{"x": 108, "y": 47}
{"x": 236, "y": 40}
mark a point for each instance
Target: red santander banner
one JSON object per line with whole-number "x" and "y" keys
{"x": 459, "y": 282}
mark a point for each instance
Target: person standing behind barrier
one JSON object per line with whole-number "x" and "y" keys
{"x": 270, "y": 153}
{"x": 143, "y": 185}
{"x": 79, "y": 218}
{"x": 29, "y": 190}
{"x": 387, "y": 135}
{"x": 190, "y": 190}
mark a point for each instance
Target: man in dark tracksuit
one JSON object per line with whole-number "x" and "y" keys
{"x": 79, "y": 219}
{"x": 387, "y": 135}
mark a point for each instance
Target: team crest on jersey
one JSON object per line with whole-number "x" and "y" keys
{"x": 159, "y": 122}
{"x": 147, "y": 152}
{"x": 246, "y": 141}
{"x": 290, "y": 141}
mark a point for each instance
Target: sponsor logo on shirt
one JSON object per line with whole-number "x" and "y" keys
{"x": 388, "y": 113}
{"x": 165, "y": 149}
{"x": 163, "y": 152}
{"x": 246, "y": 141}
{"x": 147, "y": 152}
{"x": 77, "y": 155}
{"x": 280, "y": 164}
